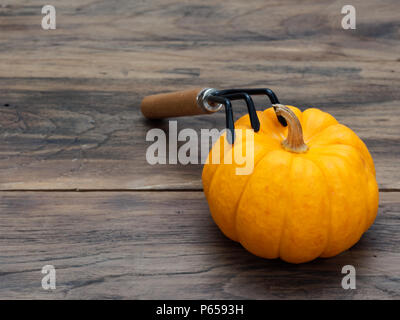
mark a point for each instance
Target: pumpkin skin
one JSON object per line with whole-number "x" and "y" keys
{"x": 294, "y": 206}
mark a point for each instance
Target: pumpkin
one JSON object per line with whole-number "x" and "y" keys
{"x": 312, "y": 192}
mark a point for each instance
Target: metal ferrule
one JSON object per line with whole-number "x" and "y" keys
{"x": 204, "y": 104}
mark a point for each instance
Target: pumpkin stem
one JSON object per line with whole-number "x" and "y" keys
{"x": 294, "y": 141}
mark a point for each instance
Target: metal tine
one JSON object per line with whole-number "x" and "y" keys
{"x": 258, "y": 91}
{"x": 255, "y": 123}
{"x": 230, "y": 135}
{"x": 272, "y": 97}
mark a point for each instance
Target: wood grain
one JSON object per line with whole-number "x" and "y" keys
{"x": 164, "y": 245}
{"x": 70, "y": 121}
{"x": 70, "y": 97}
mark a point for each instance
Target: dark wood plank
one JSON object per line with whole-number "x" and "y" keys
{"x": 76, "y": 146}
{"x": 165, "y": 245}
{"x": 69, "y": 98}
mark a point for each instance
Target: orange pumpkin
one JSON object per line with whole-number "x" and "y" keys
{"x": 312, "y": 192}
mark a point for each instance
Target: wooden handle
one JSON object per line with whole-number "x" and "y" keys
{"x": 174, "y": 104}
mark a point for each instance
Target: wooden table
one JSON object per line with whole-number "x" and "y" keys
{"x": 76, "y": 191}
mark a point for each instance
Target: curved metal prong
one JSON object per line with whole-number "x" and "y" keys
{"x": 255, "y": 123}
{"x": 272, "y": 97}
{"x": 257, "y": 91}
{"x": 230, "y": 135}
